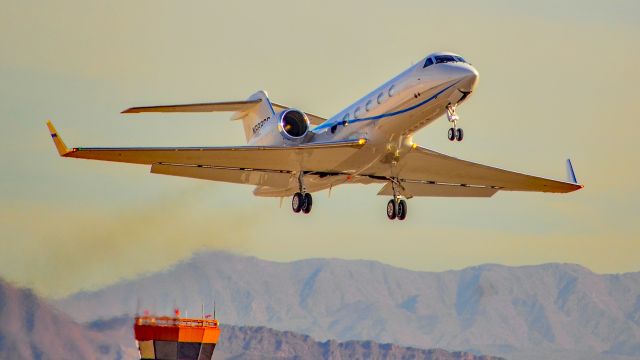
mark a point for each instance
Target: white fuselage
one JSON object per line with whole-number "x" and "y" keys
{"x": 402, "y": 105}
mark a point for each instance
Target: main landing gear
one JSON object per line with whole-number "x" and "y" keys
{"x": 396, "y": 207}
{"x": 302, "y": 201}
{"x": 455, "y": 133}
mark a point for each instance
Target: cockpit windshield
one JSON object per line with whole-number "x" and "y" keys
{"x": 439, "y": 59}
{"x": 445, "y": 59}
{"x": 429, "y": 62}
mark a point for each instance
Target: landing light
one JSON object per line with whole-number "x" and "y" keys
{"x": 362, "y": 141}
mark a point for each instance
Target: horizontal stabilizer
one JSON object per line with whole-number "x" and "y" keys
{"x": 204, "y": 107}
{"x": 232, "y": 106}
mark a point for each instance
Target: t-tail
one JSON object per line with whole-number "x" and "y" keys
{"x": 255, "y": 112}
{"x": 257, "y": 116}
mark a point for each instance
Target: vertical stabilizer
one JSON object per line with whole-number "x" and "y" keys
{"x": 251, "y": 118}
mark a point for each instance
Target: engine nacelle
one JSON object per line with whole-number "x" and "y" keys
{"x": 293, "y": 125}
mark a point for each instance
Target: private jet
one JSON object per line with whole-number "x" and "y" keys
{"x": 294, "y": 153}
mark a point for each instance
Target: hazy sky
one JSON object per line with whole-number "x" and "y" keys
{"x": 558, "y": 79}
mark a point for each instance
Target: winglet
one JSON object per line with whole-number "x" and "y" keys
{"x": 62, "y": 148}
{"x": 571, "y": 175}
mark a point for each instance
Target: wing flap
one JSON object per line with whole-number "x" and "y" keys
{"x": 411, "y": 189}
{"x": 251, "y": 177}
{"x": 203, "y": 107}
{"x": 426, "y": 165}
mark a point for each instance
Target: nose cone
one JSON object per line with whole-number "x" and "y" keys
{"x": 468, "y": 77}
{"x": 465, "y": 75}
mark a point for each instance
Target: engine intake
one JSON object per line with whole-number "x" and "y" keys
{"x": 293, "y": 125}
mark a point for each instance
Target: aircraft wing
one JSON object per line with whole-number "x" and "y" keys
{"x": 424, "y": 172}
{"x": 316, "y": 157}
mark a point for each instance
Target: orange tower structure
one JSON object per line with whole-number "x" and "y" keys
{"x": 176, "y": 338}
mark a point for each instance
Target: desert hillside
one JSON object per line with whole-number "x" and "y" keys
{"x": 30, "y": 328}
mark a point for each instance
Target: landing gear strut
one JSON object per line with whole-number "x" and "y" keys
{"x": 396, "y": 207}
{"x": 302, "y": 200}
{"x": 455, "y": 133}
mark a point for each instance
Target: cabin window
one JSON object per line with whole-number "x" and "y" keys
{"x": 367, "y": 106}
{"x": 356, "y": 112}
{"x": 392, "y": 90}
{"x": 345, "y": 119}
{"x": 380, "y": 98}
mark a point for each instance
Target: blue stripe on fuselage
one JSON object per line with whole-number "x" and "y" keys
{"x": 381, "y": 116}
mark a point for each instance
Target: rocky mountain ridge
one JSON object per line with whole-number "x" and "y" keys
{"x": 249, "y": 342}
{"x": 561, "y": 310}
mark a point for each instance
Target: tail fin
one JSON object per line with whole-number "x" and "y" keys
{"x": 251, "y": 117}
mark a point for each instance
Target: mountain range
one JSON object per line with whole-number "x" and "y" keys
{"x": 31, "y": 329}
{"x": 550, "y": 310}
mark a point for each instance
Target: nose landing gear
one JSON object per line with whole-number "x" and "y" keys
{"x": 455, "y": 133}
